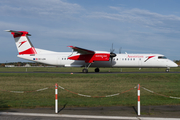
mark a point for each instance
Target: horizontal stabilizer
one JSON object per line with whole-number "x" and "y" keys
{"x": 17, "y": 32}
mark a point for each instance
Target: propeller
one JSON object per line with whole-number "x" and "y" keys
{"x": 112, "y": 54}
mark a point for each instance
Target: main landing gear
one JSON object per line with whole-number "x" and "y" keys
{"x": 85, "y": 70}
{"x": 96, "y": 70}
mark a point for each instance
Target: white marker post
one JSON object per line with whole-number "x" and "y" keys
{"x": 138, "y": 99}
{"x": 56, "y": 98}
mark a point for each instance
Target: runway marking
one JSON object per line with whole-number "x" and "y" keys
{"x": 85, "y": 116}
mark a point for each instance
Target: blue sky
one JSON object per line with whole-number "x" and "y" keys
{"x": 138, "y": 26}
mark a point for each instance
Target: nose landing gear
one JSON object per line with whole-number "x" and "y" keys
{"x": 167, "y": 70}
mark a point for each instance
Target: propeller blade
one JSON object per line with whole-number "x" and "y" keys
{"x": 112, "y": 54}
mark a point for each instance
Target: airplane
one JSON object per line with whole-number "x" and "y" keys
{"x": 80, "y": 57}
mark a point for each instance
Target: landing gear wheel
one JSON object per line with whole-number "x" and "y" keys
{"x": 96, "y": 70}
{"x": 167, "y": 70}
{"x": 85, "y": 70}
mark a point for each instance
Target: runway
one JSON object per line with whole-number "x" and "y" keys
{"x": 32, "y": 116}
{"x": 89, "y": 72}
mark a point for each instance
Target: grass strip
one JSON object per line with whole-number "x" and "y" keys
{"x": 89, "y": 84}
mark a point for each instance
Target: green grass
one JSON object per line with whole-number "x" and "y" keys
{"x": 89, "y": 84}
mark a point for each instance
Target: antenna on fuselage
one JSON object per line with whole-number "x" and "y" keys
{"x": 120, "y": 50}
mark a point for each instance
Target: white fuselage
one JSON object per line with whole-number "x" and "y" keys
{"x": 121, "y": 60}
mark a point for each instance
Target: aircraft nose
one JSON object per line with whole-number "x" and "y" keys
{"x": 170, "y": 63}
{"x": 174, "y": 65}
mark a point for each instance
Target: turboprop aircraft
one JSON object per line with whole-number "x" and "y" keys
{"x": 81, "y": 57}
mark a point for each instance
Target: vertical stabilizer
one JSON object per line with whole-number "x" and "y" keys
{"x": 23, "y": 44}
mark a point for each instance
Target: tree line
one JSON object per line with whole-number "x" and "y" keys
{"x": 22, "y": 64}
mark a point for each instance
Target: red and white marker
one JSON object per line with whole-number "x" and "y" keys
{"x": 56, "y": 98}
{"x": 138, "y": 99}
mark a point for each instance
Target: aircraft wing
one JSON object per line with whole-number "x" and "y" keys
{"x": 82, "y": 50}
{"x": 89, "y": 56}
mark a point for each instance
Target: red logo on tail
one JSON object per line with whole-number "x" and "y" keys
{"x": 21, "y": 43}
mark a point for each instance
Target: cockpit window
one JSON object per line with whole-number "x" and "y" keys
{"x": 162, "y": 57}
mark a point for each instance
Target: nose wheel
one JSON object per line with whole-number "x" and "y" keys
{"x": 167, "y": 70}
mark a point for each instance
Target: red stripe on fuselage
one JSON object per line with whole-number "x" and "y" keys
{"x": 89, "y": 58}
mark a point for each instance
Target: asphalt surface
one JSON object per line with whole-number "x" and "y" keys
{"x": 125, "y": 111}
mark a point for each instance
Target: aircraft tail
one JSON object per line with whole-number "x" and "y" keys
{"x": 23, "y": 44}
